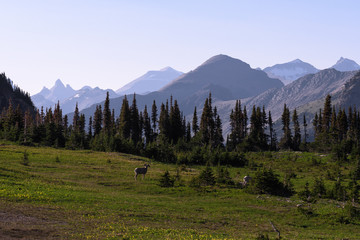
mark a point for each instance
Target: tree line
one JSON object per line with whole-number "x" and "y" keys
{"x": 164, "y": 134}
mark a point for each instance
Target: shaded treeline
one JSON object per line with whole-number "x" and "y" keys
{"x": 161, "y": 131}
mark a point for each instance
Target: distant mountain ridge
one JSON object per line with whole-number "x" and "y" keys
{"x": 87, "y": 96}
{"x": 306, "y": 89}
{"x": 224, "y": 72}
{"x": 150, "y": 81}
{"x": 288, "y": 72}
{"x": 68, "y": 97}
{"x": 225, "y": 77}
{"x": 345, "y": 64}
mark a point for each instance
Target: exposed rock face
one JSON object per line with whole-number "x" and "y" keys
{"x": 309, "y": 88}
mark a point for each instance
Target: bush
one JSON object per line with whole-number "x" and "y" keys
{"x": 267, "y": 182}
{"x": 338, "y": 192}
{"x": 233, "y": 159}
{"x": 305, "y": 194}
{"x": 206, "y": 178}
{"x": 319, "y": 189}
{"x": 223, "y": 176}
{"x": 25, "y": 160}
{"x": 166, "y": 180}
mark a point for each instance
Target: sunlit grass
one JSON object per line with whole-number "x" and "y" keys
{"x": 93, "y": 195}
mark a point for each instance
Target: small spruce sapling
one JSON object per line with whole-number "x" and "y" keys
{"x": 25, "y": 160}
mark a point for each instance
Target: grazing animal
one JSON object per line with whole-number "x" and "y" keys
{"x": 246, "y": 181}
{"x": 141, "y": 171}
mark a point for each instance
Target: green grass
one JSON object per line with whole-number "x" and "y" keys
{"x": 63, "y": 194}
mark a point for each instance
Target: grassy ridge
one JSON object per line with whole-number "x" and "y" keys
{"x": 93, "y": 195}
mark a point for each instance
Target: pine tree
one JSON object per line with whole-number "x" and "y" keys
{"x": 195, "y": 126}
{"x": 82, "y": 135}
{"x": 107, "y": 116}
{"x": 176, "y": 128}
{"x": 286, "y": 140}
{"x": 205, "y": 123}
{"x": 154, "y": 115}
{"x": 164, "y": 123}
{"x": 147, "y": 126}
{"x": 76, "y": 117}
{"x": 297, "y": 131}
{"x": 272, "y": 134}
{"x": 218, "y": 138}
{"x": 97, "y": 123}
{"x": 305, "y": 130}
{"x": 237, "y": 133}
{"x": 316, "y": 125}
{"x": 134, "y": 121}
{"x": 90, "y": 134}
{"x": 124, "y": 119}
{"x": 342, "y": 125}
{"x": 326, "y": 115}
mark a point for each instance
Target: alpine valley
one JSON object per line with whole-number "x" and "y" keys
{"x": 229, "y": 79}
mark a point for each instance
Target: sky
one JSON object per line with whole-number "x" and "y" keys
{"x": 108, "y": 43}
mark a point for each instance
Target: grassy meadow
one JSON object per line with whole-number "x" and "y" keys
{"x": 66, "y": 194}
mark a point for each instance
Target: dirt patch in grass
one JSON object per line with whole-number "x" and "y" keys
{"x": 19, "y": 221}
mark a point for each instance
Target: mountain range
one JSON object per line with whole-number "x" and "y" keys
{"x": 345, "y": 64}
{"x": 87, "y": 96}
{"x": 150, "y": 81}
{"x": 229, "y": 79}
{"x": 290, "y": 71}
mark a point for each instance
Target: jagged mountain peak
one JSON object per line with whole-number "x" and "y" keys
{"x": 58, "y": 83}
{"x": 345, "y": 64}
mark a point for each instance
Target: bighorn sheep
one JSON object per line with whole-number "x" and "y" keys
{"x": 246, "y": 181}
{"x": 141, "y": 171}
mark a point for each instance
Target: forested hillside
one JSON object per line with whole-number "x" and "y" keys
{"x": 11, "y": 94}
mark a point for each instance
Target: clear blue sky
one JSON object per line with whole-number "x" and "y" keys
{"x": 108, "y": 43}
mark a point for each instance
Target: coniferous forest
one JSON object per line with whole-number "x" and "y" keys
{"x": 162, "y": 133}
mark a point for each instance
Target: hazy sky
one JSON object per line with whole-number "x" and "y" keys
{"x": 108, "y": 43}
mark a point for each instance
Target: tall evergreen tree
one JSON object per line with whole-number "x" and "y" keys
{"x": 147, "y": 126}
{"x": 76, "y": 117}
{"x": 272, "y": 134}
{"x": 286, "y": 140}
{"x": 90, "y": 132}
{"x": 176, "y": 126}
{"x": 218, "y": 135}
{"x": 297, "y": 131}
{"x": 107, "y": 126}
{"x": 124, "y": 119}
{"x": 134, "y": 121}
{"x": 154, "y": 115}
{"x": 195, "y": 126}
{"x": 205, "y": 123}
{"x": 305, "y": 129}
{"x": 326, "y": 116}
{"x": 97, "y": 123}
{"x": 164, "y": 122}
